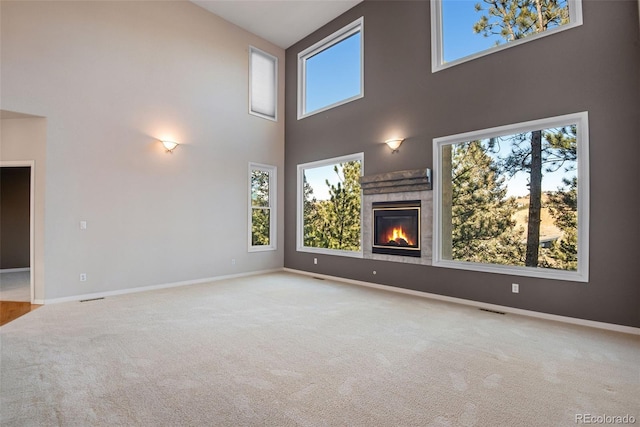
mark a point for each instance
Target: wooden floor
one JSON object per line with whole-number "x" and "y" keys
{"x": 11, "y": 310}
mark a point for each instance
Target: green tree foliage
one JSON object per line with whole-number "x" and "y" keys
{"x": 482, "y": 226}
{"x": 260, "y": 213}
{"x": 534, "y": 152}
{"x": 334, "y": 223}
{"x": 512, "y": 20}
{"x": 516, "y": 19}
{"x": 312, "y": 221}
{"x": 563, "y": 205}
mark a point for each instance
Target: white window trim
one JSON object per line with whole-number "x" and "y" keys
{"x": 253, "y": 49}
{"x": 299, "y": 208}
{"x": 582, "y": 272}
{"x": 272, "y": 170}
{"x": 437, "y": 57}
{"x": 356, "y": 26}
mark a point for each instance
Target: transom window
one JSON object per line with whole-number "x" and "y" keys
{"x": 514, "y": 199}
{"x": 329, "y": 206}
{"x": 262, "y": 207}
{"x": 263, "y": 84}
{"x": 462, "y": 30}
{"x": 331, "y": 72}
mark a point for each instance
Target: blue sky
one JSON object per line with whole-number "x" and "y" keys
{"x": 316, "y": 178}
{"x": 517, "y": 185}
{"x": 459, "y": 40}
{"x": 333, "y": 74}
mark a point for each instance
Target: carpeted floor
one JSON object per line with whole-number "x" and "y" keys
{"x": 289, "y": 350}
{"x": 15, "y": 286}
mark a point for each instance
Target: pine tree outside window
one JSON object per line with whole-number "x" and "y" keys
{"x": 462, "y": 30}
{"x": 514, "y": 199}
{"x": 329, "y": 206}
{"x": 262, "y": 203}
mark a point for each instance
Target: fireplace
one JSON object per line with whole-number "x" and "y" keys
{"x": 396, "y": 228}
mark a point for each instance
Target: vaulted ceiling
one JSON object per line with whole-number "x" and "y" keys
{"x": 282, "y": 22}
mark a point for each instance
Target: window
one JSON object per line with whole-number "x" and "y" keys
{"x": 262, "y": 207}
{"x": 263, "y": 84}
{"x": 462, "y": 30}
{"x": 514, "y": 199}
{"x": 329, "y": 206}
{"x": 331, "y": 72}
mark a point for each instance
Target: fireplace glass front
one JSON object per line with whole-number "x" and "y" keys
{"x": 396, "y": 228}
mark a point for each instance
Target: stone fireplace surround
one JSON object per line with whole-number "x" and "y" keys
{"x": 393, "y": 187}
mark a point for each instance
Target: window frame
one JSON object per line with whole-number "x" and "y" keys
{"x": 354, "y": 27}
{"x": 274, "y": 59}
{"x": 582, "y": 150}
{"x": 272, "y": 171}
{"x": 437, "y": 37}
{"x": 300, "y": 247}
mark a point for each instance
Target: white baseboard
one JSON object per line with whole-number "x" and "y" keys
{"x": 494, "y": 307}
{"x": 152, "y": 287}
{"x": 14, "y": 270}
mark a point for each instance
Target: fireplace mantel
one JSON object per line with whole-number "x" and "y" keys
{"x": 397, "y": 182}
{"x": 397, "y": 187}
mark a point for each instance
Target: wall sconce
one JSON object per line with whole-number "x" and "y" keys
{"x": 169, "y": 145}
{"x": 394, "y": 144}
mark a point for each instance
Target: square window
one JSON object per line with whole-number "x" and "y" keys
{"x": 515, "y": 199}
{"x": 329, "y": 206}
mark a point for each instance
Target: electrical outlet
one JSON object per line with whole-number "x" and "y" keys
{"x": 83, "y": 277}
{"x": 315, "y": 260}
{"x": 233, "y": 261}
{"x": 515, "y": 288}
{"x": 83, "y": 225}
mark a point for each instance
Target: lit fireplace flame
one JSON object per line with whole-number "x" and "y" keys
{"x": 399, "y": 236}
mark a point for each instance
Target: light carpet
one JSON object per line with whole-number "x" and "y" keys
{"x": 15, "y": 286}
{"x": 289, "y": 350}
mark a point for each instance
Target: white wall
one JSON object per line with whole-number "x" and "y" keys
{"x": 112, "y": 78}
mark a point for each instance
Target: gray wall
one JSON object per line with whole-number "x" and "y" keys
{"x": 14, "y": 217}
{"x": 596, "y": 68}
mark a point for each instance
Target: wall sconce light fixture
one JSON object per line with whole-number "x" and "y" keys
{"x": 169, "y": 145}
{"x": 394, "y": 144}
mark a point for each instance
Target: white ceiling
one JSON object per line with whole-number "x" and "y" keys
{"x": 282, "y": 22}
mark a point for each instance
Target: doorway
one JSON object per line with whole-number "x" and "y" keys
{"x": 17, "y": 231}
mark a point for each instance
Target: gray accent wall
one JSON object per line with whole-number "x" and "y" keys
{"x": 596, "y": 67}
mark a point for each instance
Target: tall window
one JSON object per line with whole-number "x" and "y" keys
{"x": 329, "y": 206}
{"x": 262, "y": 207}
{"x": 331, "y": 72}
{"x": 263, "y": 84}
{"x": 462, "y": 30}
{"x": 514, "y": 199}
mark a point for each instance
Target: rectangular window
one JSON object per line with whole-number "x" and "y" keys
{"x": 262, "y": 207}
{"x": 514, "y": 199}
{"x": 462, "y": 30}
{"x": 331, "y": 72}
{"x": 263, "y": 84}
{"x": 329, "y": 206}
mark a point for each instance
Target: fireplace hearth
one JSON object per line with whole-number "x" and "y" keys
{"x": 396, "y": 228}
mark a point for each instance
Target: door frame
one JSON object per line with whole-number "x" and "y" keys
{"x": 31, "y": 164}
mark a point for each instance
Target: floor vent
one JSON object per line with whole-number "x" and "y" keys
{"x": 92, "y": 299}
{"x": 492, "y": 311}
